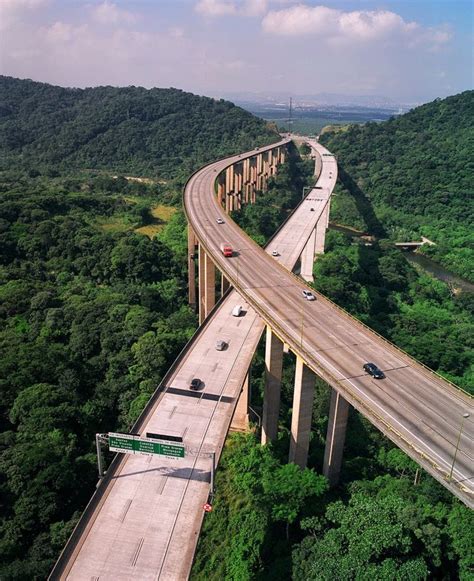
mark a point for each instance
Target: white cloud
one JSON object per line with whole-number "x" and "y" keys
{"x": 236, "y": 7}
{"x": 359, "y": 25}
{"x": 13, "y": 11}
{"x": 110, "y": 13}
{"x": 216, "y": 7}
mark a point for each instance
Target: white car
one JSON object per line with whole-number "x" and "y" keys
{"x": 220, "y": 221}
{"x": 308, "y": 295}
{"x": 275, "y": 253}
{"x": 237, "y": 311}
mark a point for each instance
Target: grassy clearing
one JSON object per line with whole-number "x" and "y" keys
{"x": 118, "y": 223}
{"x": 161, "y": 216}
{"x": 124, "y": 222}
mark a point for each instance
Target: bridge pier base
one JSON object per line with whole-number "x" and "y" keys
{"x": 271, "y": 397}
{"x": 302, "y": 413}
{"x": 335, "y": 438}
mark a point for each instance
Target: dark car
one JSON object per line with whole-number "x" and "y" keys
{"x": 195, "y": 384}
{"x": 373, "y": 370}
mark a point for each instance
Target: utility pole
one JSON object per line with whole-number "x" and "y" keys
{"x": 290, "y": 120}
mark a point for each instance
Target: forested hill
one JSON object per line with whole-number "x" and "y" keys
{"x": 412, "y": 176}
{"x": 131, "y": 130}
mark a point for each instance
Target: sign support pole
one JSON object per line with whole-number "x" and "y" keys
{"x": 100, "y": 460}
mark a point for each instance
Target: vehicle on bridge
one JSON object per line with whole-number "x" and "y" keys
{"x": 226, "y": 250}
{"x": 373, "y": 370}
{"x": 221, "y": 345}
{"x": 237, "y": 311}
{"x": 195, "y": 384}
{"x": 308, "y": 295}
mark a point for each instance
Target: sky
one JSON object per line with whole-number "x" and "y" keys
{"x": 411, "y": 51}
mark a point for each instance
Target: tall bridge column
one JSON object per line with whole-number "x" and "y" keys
{"x": 238, "y": 186}
{"x": 335, "y": 438}
{"x": 225, "y": 284}
{"x": 229, "y": 186}
{"x": 253, "y": 179}
{"x": 207, "y": 284}
{"x": 240, "y": 419}
{"x": 271, "y": 397}
{"x": 321, "y": 227}
{"x": 221, "y": 190}
{"x": 302, "y": 413}
{"x": 191, "y": 267}
{"x": 260, "y": 171}
{"x": 246, "y": 185}
{"x": 307, "y": 258}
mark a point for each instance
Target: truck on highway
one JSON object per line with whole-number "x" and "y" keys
{"x": 226, "y": 249}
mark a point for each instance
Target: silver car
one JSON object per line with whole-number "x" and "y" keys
{"x": 220, "y": 345}
{"x": 308, "y": 295}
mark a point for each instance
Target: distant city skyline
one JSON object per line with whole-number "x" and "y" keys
{"x": 406, "y": 51}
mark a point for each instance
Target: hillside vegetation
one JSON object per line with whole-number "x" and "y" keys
{"x": 412, "y": 176}
{"x": 92, "y": 306}
{"x": 131, "y": 130}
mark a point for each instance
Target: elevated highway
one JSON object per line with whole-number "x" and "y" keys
{"x": 417, "y": 409}
{"x": 144, "y": 520}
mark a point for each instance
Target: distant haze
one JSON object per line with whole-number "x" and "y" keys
{"x": 394, "y": 52}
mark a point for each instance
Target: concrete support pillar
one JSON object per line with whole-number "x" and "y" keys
{"x": 207, "y": 284}
{"x": 240, "y": 419}
{"x": 225, "y": 284}
{"x": 271, "y": 397}
{"x": 274, "y": 156}
{"x": 302, "y": 413}
{"x": 307, "y": 258}
{"x": 229, "y": 186}
{"x": 335, "y": 438}
{"x": 260, "y": 171}
{"x": 246, "y": 186}
{"x": 221, "y": 190}
{"x": 191, "y": 266}
{"x": 321, "y": 227}
{"x": 238, "y": 183}
{"x": 327, "y": 211}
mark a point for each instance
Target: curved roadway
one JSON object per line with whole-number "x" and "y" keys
{"x": 413, "y": 406}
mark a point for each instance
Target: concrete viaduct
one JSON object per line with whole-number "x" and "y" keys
{"x": 143, "y": 522}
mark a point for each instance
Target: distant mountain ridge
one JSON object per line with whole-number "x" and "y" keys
{"x": 131, "y": 130}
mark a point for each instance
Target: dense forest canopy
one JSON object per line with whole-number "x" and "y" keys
{"x": 92, "y": 313}
{"x": 131, "y": 130}
{"x": 412, "y": 176}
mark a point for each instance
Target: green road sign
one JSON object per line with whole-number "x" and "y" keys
{"x": 128, "y": 444}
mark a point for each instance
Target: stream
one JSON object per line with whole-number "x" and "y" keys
{"x": 422, "y": 262}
